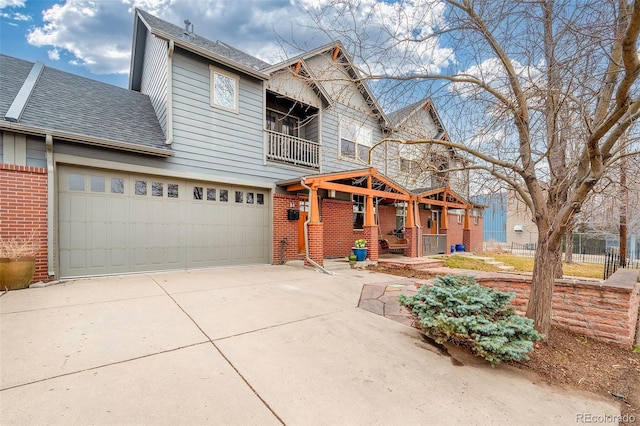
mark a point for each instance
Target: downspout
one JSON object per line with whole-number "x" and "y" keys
{"x": 306, "y": 234}
{"x": 416, "y": 220}
{"x": 169, "y": 116}
{"x": 51, "y": 270}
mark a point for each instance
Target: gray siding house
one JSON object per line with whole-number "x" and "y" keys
{"x": 180, "y": 170}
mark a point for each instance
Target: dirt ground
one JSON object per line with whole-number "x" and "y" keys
{"x": 570, "y": 360}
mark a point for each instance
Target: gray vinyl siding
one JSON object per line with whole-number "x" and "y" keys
{"x": 154, "y": 77}
{"x": 331, "y": 160}
{"x": 36, "y": 152}
{"x": 206, "y": 140}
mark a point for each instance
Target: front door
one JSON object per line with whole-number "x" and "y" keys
{"x": 304, "y": 213}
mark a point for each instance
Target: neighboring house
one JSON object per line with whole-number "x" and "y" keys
{"x": 214, "y": 157}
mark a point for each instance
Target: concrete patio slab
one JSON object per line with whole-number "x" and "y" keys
{"x": 43, "y": 343}
{"x": 357, "y": 367}
{"x": 289, "y": 345}
{"x": 192, "y": 385}
{"x": 81, "y": 291}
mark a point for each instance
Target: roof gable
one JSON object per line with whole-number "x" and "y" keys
{"x": 336, "y": 53}
{"x": 217, "y": 51}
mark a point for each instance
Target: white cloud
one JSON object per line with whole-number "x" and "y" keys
{"x": 54, "y": 54}
{"x": 97, "y": 34}
{"x": 11, "y": 3}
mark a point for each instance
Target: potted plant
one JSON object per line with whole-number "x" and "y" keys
{"x": 17, "y": 261}
{"x": 360, "y": 249}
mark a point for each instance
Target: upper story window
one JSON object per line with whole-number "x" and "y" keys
{"x": 224, "y": 89}
{"x": 409, "y": 166}
{"x": 355, "y": 141}
{"x": 281, "y": 123}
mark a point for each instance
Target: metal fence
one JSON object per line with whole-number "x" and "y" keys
{"x": 609, "y": 257}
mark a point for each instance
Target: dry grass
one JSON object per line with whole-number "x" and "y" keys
{"x": 22, "y": 246}
{"x": 525, "y": 264}
{"x": 521, "y": 264}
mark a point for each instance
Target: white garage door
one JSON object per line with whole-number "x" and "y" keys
{"x": 112, "y": 222}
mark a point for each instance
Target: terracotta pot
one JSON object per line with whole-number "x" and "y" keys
{"x": 16, "y": 273}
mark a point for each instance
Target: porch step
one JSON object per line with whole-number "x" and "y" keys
{"x": 411, "y": 262}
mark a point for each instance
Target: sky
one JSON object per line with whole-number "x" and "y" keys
{"x": 93, "y": 38}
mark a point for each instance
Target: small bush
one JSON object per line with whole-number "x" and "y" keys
{"x": 458, "y": 310}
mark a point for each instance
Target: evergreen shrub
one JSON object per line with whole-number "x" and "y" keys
{"x": 458, "y": 310}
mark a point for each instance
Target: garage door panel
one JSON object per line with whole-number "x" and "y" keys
{"x": 117, "y": 222}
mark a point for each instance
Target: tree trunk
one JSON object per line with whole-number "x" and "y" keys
{"x": 539, "y": 308}
{"x": 568, "y": 252}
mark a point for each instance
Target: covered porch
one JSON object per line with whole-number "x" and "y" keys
{"x": 326, "y": 213}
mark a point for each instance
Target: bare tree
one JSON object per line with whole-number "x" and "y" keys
{"x": 538, "y": 92}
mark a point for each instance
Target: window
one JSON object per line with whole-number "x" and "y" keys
{"x": 249, "y": 197}
{"x": 157, "y": 189}
{"x": 281, "y": 123}
{"x": 239, "y": 197}
{"x": 355, "y": 141}
{"x": 224, "y": 195}
{"x": 172, "y": 190}
{"x": 76, "y": 182}
{"x": 409, "y": 166}
{"x": 97, "y": 184}
{"x": 211, "y": 194}
{"x": 197, "y": 193}
{"x": 260, "y": 199}
{"x": 117, "y": 186}
{"x": 224, "y": 89}
{"x": 358, "y": 211}
{"x": 141, "y": 187}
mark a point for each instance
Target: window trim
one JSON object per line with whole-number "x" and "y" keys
{"x": 212, "y": 83}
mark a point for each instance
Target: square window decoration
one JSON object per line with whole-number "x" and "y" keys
{"x": 239, "y": 197}
{"x": 224, "y": 89}
{"x": 249, "y": 197}
{"x": 97, "y": 184}
{"x": 224, "y": 195}
{"x": 157, "y": 189}
{"x": 197, "y": 193}
{"x": 76, "y": 182}
{"x": 117, "y": 186}
{"x": 260, "y": 199}
{"x": 172, "y": 190}
{"x": 141, "y": 187}
{"x": 211, "y": 194}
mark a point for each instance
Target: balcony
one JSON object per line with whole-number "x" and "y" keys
{"x": 287, "y": 149}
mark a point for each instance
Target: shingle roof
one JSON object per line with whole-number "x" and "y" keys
{"x": 216, "y": 47}
{"x": 68, "y": 103}
{"x": 397, "y": 116}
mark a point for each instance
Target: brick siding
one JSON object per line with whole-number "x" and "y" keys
{"x": 23, "y": 209}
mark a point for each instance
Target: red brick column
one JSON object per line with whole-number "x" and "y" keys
{"x": 316, "y": 243}
{"x": 371, "y": 235}
{"x": 285, "y": 231}
{"x": 411, "y": 234}
{"x": 466, "y": 239}
{"x": 23, "y": 209}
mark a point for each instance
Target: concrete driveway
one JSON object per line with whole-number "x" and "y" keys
{"x": 247, "y": 345}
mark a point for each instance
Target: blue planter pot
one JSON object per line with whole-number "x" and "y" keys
{"x": 361, "y": 253}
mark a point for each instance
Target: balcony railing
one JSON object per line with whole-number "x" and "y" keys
{"x": 292, "y": 150}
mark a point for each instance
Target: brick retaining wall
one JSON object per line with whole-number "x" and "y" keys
{"x": 605, "y": 311}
